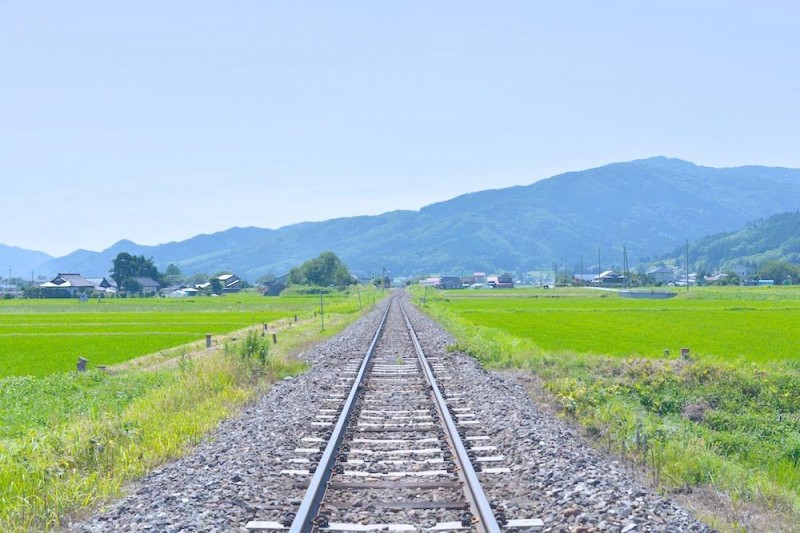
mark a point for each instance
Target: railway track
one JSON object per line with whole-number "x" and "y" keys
{"x": 391, "y": 471}
{"x": 395, "y": 438}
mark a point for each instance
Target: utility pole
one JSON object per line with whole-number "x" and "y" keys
{"x": 598, "y": 264}
{"x": 687, "y": 264}
{"x": 626, "y": 282}
{"x": 321, "y": 309}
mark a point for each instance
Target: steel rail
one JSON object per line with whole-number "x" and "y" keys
{"x": 479, "y": 503}
{"x": 309, "y": 507}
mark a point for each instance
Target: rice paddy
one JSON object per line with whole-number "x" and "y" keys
{"x": 725, "y": 328}
{"x": 41, "y": 337}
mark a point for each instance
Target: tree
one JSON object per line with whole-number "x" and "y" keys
{"x": 325, "y": 270}
{"x": 197, "y": 279}
{"x": 126, "y": 267}
{"x": 173, "y": 275}
{"x": 216, "y": 285}
{"x": 132, "y": 286}
{"x": 266, "y": 278}
{"x": 779, "y": 271}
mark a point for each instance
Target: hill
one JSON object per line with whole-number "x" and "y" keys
{"x": 774, "y": 238}
{"x": 651, "y": 205}
{"x": 20, "y": 261}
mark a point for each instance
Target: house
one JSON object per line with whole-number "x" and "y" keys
{"x": 503, "y": 281}
{"x": 609, "y": 277}
{"x": 179, "y": 291}
{"x": 276, "y": 286}
{"x": 450, "y": 282}
{"x": 148, "y": 285}
{"x": 167, "y": 291}
{"x": 66, "y": 285}
{"x": 476, "y": 277}
{"x": 661, "y": 274}
{"x": 230, "y": 282}
{"x": 101, "y": 283}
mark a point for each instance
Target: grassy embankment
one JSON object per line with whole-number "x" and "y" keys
{"x": 69, "y": 441}
{"x": 727, "y": 419}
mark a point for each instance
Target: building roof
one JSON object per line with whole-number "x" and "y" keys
{"x": 102, "y": 282}
{"x": 68, "y": 280}
{"x": 229, "y": 280}
{"x": 147, "y": 282}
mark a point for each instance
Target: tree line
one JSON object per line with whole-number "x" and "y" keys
{"x": 326, "y": 270}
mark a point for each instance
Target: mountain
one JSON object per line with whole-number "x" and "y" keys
{"x": 650, "y": 205}
{"x": 774, "y": 238}
{"x": 20, "y": 261}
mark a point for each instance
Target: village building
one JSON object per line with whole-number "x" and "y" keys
{"x": 609, "y": 277}
{"x": 276, "y": 286}
{"x": 661, "y": 274}
{"x": 148, "y": 286}
{"x": 503, "y": 281}
{"x": 230, "y": 282}
{"x": 450, "y": 282}
{"x": 67, "y": 285}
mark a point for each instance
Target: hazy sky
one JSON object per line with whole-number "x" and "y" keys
{"x": 156, "y": 121}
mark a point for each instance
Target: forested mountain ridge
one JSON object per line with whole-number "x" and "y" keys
{"x": 776, "y": 238}
{"x": 651, "y": 205}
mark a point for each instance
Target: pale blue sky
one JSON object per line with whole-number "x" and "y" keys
{"x": 156, "y": 121}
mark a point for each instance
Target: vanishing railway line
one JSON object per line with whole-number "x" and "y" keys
{"x": 396, "y": 436}
{"x": 297, "y": 460}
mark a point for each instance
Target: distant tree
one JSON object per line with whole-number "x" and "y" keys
{"x": 216, "y": 285}
{"x": 197, "y": 279}
{"x": 173, "y": 275}
{"x": 131, "y": 285}
{"x": 731, "y": 278}
{"x": 266, "y": 278}
{"x": 126, "y": 267}
{"x": 779, "y": 271}
{"x": 325, "y": 270}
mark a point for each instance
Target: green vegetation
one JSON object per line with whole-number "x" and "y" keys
{"x": 756, "y": 331}
{"x": 327, "y": 270}
{"x": 768, "y": 247}
{"x": 39, "y": 337}
{"x": 126, "y": 268}
{"x": 70, "y": 440}
{"x": 725, "y": 418}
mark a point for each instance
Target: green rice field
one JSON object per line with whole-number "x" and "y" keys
{"x": 725, "y": 327}
{"x": 40, "y": 337}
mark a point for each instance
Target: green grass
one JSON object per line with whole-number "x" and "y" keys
{"x": 759, "y": 330}
{"x": 69, "y": 440}
{"x": 727, "y": 418}
{"x": 40, "y": 337}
